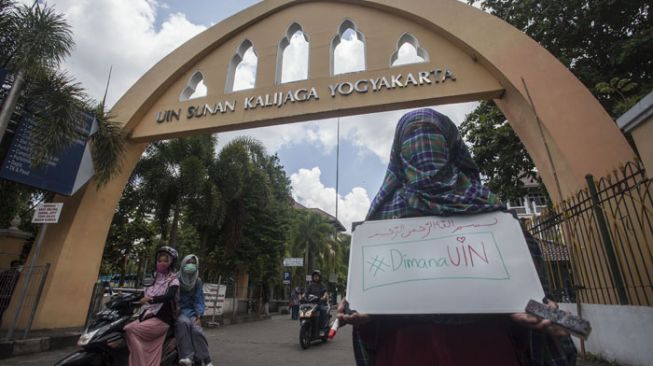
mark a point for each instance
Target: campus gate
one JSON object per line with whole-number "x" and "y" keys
{"x": 468, "y": 55}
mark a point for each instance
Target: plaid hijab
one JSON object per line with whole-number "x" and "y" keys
{"x": 430, "y": 172}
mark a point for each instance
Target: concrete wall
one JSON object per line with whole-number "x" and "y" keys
{"x": 620, "y": 333}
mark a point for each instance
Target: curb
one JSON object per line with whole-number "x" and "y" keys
{"x": 20, "y": 347}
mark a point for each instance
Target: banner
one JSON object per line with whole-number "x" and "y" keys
{"x": 427, "y": 265}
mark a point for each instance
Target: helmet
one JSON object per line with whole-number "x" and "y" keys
{"x": 316, "y": 272}
{"x": 172, "y": 252}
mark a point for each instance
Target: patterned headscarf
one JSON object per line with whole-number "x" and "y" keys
{"x": 430, "y": 172}
{"x": 160, "y": 287}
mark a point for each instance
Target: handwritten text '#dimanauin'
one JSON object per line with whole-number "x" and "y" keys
{"x": 429, "y": 227}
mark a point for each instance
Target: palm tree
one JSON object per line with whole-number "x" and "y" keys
{"x": 311, "y": 236}
{"x": 174, "y": 172}
{"x": 36, "y": 40}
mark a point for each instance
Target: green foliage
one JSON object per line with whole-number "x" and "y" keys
{"x": 233, "y": 209}
{"x": 498, "y": 152}
{"x": 38, "y": 38}
{"x": 34, "y": 40}
{"x": 606, "y": 44}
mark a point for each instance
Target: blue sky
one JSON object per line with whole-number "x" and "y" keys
{"x": 132, "y": 35}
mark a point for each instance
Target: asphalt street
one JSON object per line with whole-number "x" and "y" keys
{"x": 268, "y": 342}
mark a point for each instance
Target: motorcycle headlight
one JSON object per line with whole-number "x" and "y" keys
{"x": 86, "y": 337}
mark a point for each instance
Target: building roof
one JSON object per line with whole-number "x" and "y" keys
{"x": 330, "y": 218}
{"x": 639, "y": 113}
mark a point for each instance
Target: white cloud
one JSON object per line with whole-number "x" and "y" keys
{"x": 308, "y": 189}
{"x": 349, "y": 55}
{"x": 407, "y": 54}
{"x": 245, "y": 74}
{"x": 121, "y": 33}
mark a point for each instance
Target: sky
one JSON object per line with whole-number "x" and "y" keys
{"x": 132, "y": 35}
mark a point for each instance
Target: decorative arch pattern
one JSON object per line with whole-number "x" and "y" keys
{"x": 295, "y": 69}
{"x": 348, "y": 33}
{"x": 239, "y": 65}
{"x": 195, "y": 88}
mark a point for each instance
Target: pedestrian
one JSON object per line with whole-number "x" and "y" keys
{"x": 265, "y": 297}
{"x": 8, "y": 281}
{"x": 191, "y": 342}
{"x": 432, "y": 173}
{"x": 294, "y": 303}
{"x": 146, "y": 335}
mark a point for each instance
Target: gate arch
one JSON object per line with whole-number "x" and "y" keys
{"x": 486, "y": 59}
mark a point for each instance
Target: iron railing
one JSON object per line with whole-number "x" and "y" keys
{"x": 20, "y": 300}
{"x": 598, "y": 244}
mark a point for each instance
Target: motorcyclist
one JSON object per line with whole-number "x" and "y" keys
{"x": 316, "y": 288}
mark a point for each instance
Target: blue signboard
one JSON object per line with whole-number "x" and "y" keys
{"x": 286, "y": 278}
{"x": 63, "y": 174}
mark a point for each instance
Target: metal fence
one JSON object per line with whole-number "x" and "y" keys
{"x": 598, "y": 244}
{"x": 20, "y": 292}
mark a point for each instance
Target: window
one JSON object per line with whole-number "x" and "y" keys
{"x": 292, "y": 57}
{"x": 347, "y": 49}
{"x": 241, "y": 74}
{"x": 408, "y": 51}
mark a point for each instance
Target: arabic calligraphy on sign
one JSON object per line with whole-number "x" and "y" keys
{"x": 424, "y": 230}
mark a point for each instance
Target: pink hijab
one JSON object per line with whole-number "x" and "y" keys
{"x": 161, "y": 284}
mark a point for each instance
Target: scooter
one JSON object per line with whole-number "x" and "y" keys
{"x": 103, "y": 340}
{"x": 309, "y": 317}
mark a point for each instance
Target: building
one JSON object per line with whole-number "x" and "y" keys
{"x": 532, "y": 203}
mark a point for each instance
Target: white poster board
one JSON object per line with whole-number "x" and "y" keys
{"x": 471, "y": 264}
{"x": 214, "y": 298}
{"x": 47, "y": 213}
{"x": 293, "y": 262}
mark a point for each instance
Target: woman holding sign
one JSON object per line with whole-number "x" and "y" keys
{"x": 431, "y": 173}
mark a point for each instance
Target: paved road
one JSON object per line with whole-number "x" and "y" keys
{"x": 267, "y": 342}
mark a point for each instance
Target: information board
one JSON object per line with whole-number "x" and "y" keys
{"x": 214, "y": 296}
{"x": 293, "y": 262}
{"x": 47, "y": 213}
{"x": 63, "y": 174}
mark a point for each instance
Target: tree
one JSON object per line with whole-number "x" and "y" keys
{"x": 497, "y": 151}
{"x": 33, "y": 42}
{"x": 312, "y": 237}
{"x": 172, "y": 173}
{"x": 606, "y": 44}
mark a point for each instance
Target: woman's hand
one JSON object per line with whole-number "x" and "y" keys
{"x": 354, "y": 318}
{"x": 145, "y": 300}
{"x": 198, "y": 321}
{"x": 531, "y": 321}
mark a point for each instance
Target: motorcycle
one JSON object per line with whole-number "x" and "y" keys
{"x": 103, "y": 343}
{"x": 309, "y": 317}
